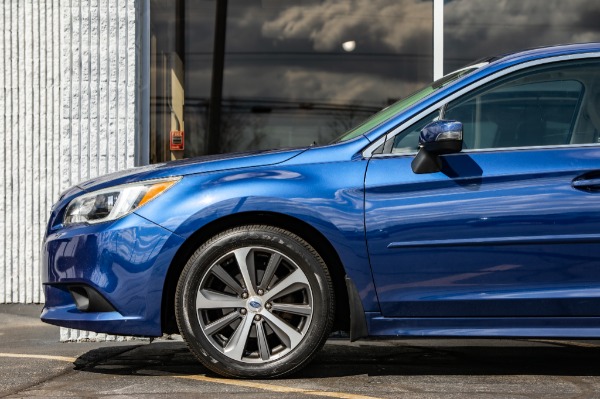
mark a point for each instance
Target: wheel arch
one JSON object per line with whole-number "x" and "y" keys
{"x": 294, "y": 225}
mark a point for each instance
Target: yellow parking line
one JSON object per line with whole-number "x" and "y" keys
{"x": 45, "y": 357}
{"x": 203, "y": 378}
{"x": 274, "y": 388}
{"x": 566, "y": 343}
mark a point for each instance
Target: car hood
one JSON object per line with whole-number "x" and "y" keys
{"x": 208, "y": 163}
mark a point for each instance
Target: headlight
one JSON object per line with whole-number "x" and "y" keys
{"x": 115, "y": 202}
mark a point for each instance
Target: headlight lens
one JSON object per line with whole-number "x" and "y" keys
{"x": 115, "y": 202}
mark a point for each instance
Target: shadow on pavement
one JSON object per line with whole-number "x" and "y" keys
{"x": 495, "y": 358}
{"x": 373, "y": 358}
{"x": 150, "y": 359}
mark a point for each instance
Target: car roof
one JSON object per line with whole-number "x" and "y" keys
{"x": 542, "y": 52}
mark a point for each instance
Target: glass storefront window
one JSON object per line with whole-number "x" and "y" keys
{"x": 295, "y": 71}
{"x": 298, "y": 72}
{"x": 303, "y": 71}
{"x": 474, "y": 29}
{"x": 163, "y": 47}
{"x": 180, "y": 72}
{"x": 199, "y": 34}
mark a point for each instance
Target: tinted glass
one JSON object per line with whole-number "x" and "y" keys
{"x": 298, "y": 72}
{"x": 534, "y": 108}
{"x": 295, "y": 71}
{"x": 181, "y": 40}
{"x": 474, "y": 29}
{"x": 199, "y": 30}
{"x": 163, "y": 47}
{"x": 398, "y": 107}
{"x": 408, "y": 141}
{"x": 557, "y": 104}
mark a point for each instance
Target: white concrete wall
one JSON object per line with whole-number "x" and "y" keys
{"x": 69, "y": 98}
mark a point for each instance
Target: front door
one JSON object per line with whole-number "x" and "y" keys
{"x": 510, "y": 227}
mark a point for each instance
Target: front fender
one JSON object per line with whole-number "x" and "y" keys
{"x": 328, "y": 196}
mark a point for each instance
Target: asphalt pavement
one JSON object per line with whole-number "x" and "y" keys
{"x": 33, "y": 363}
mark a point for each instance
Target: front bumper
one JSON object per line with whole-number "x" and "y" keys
{"x": 125, "y": 262}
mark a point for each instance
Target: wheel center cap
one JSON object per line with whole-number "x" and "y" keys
{"x": 254, "y": 304}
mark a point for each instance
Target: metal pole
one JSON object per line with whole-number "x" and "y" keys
{"x": 438, "y": 39}
{"x": 142, "y": 143}
{"x": 216, "y": 90}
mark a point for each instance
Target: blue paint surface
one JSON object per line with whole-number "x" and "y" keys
{"x": 498, "y": 243}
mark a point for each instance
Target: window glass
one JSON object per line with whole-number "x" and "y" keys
{"x": 549, "y": 105}
{"x": 295, "y": 71}
{"x": 403, "y": 104}
{"x": 163, "y": 48}
{"x": 534, "y": 108}
{"x": 304, "y": 71}
{"x": 408, "y": 141}
{"x": 198, "y": 33}
{"x": 181, "y": 42}
{"x": 474, "y": 29}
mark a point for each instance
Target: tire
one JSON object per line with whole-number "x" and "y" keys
{"x": 255, "y": 302}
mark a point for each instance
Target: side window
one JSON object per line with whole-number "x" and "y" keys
{"x": 407, "y": 141}
{"x": 556, "y": 104}
{"x": 538, "y": 107}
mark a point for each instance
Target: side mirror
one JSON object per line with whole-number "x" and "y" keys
{"x": 437, "y": 138}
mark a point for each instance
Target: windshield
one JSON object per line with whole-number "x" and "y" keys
{"x": 403, "y": 104}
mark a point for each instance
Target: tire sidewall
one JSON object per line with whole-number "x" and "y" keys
{"x": 253, "y": 236}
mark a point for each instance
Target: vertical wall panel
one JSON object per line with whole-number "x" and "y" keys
{"x": 3, "y": 128}
{"x": 15, "y": 157}
{"x": 68, "y": 112}
{"x": 103, "y": 61}
{"x": 93, "y": 84}
{"x": 23, "y": 148}
{"x": 7, "y": 143}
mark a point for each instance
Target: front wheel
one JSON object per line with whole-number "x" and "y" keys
{"x": 255, "y": 301}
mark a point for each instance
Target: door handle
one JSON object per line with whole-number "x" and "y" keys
{"x": 590, "y": 185}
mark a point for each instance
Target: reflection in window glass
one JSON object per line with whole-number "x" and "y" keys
{"x": 199, "y": 33}
{"x": 296, "y": 71}
{"x": 474, "y": 29}
{"x": 538, "y": 107}
{"x": 163, "y": 35}
{"x": 554, "y": 104}
{"x": 396, "y": 108}
{"x": 180, "y": 72}
{"x": 408, "y": 141}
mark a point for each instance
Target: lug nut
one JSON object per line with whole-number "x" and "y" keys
{"x": 245, "y": 295}
{"x": 260, "y": 292}
{"x": 243, "y": 311}
{"x": 268, "y": 306}
{"x": 257, "y": 317}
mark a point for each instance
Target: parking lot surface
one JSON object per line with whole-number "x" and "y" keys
{"x": 34, "y": 364}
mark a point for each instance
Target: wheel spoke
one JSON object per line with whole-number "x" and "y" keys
{"x": 224, "y": 321}
{"x": 237, "y": 343}
{"x": 245, "y": 261}
{"x": 263, "y": 345}
{"x": 287, "y": 285}
{"x": 302, "y": 310}
{"x": 287, "y": 334}
{"x": 270, "y": 270}
{"x": 225, "y": 277}
{"x": 213, "y": 300}
{"x": 232, "y": 321}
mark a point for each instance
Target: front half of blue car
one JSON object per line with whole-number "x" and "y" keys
{"x": 255, "y": 257}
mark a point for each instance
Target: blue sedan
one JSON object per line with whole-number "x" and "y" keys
{"x": 471, "y": 208}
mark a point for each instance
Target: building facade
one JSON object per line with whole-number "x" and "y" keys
{"x": 89, "y": 87}
{"x": 69, "y": 111}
